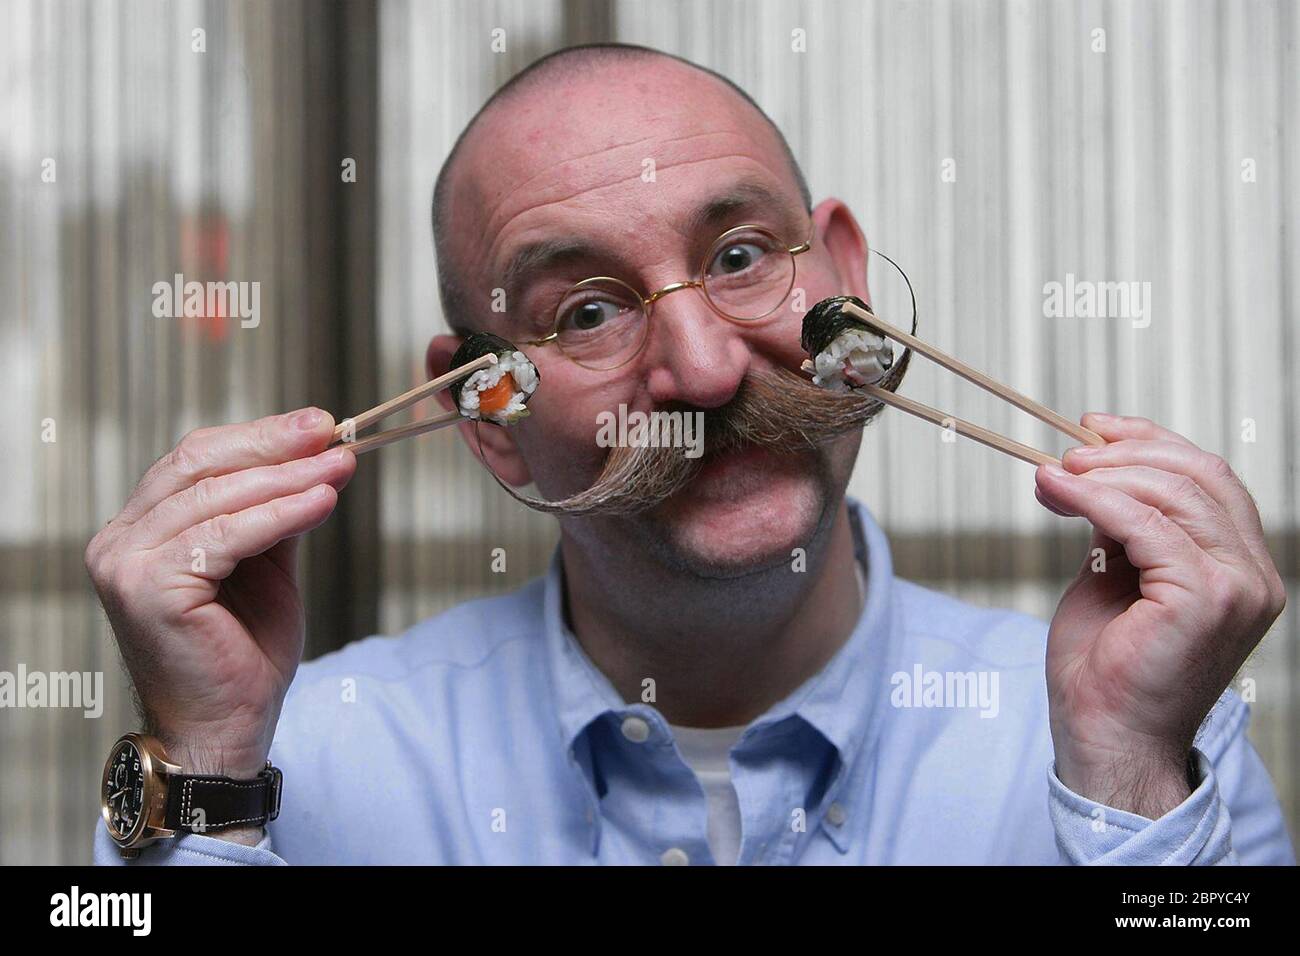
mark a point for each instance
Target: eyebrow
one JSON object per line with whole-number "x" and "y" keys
{"x": 537, "y": 258}
{"x": 746, "y": 195}
{"x": 541, "y": 256}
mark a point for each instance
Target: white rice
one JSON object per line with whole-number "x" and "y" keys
{"x": 855, "y": 357}
{"x": 517, "y": 366}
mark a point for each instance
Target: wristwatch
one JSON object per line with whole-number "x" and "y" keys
{"x": 145, "y": 797}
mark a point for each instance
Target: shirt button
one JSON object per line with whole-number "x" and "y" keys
{"x": 835, "y": 815}
{"x": 636, "y": 730}
{"x": 675, "y": 856}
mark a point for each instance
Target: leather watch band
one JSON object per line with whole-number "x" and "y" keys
{"x": 197, "y": 803}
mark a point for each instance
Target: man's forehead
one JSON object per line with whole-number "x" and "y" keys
{"x": 557, "y": 123}
{"x": 598, "y": 140}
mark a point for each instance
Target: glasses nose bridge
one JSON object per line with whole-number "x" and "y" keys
{"x": 669, "y": 289}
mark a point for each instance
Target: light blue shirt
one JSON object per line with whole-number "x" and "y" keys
{"x": 486, "y": 735}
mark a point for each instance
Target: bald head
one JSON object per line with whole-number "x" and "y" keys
{"x": 461, "y": 198}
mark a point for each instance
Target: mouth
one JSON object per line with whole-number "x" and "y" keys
{"x": 746, "y": 507}
{"x": 733, "y": 462}
{"x": 738, "y": 473}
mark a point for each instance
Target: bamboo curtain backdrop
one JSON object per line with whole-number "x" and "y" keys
{"x": 215, "y": 155}
{"x": 990, "y": 148}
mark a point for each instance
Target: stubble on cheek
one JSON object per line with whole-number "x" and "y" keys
{"x": 562, "y": 465}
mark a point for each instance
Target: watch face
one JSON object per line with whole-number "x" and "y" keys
{"x": 123, "y": 795}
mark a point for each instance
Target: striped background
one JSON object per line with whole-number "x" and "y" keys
{"x": 1122, "y": 165}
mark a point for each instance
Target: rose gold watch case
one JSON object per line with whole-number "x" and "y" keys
{"x": 155, "y": 768}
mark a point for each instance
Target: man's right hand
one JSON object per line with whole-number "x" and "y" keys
{"x": 198, "y": 574}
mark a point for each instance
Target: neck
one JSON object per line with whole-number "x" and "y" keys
{"x": 720, "y": 652}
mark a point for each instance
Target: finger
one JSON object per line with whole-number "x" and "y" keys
{"x": 1183, "y": 500}
{"x": 228, "y": 494}
{"x": 219, "y": 451}
{"x": 1209, "y": 471}
{"x": 285, "y": 557}
{"x": 1049, "y": 506}
{"x": 1108, "y": 546}
{"x": 1119, "y": 427}
{"x": 227, "y": 539}
{"x": 1150, "y": 539}
{"x": 1098, "y": 540}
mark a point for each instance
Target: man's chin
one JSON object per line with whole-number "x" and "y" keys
{"x": 745, "y": 512}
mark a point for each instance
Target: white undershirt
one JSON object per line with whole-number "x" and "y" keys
{"x": 707, "y": 750}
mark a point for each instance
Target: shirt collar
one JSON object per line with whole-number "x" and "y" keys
{"x": 839, "y": 701}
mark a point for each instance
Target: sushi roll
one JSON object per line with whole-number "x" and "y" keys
{"x": 845, "y": 351}
{"x": 500, "y": 392}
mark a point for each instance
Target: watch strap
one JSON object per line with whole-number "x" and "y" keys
{"x": 197, "y": 803}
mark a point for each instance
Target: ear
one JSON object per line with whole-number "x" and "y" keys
{"x": 500, "y": 453}
{"x": 846, "y": 246}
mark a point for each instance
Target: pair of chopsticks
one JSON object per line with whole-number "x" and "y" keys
{"x": 1005, "y": 392}
{"x": 406, "y": 400}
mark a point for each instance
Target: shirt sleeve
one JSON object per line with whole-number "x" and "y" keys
{"x": 192, "y": 849}
{"x": 1232, "y": 816}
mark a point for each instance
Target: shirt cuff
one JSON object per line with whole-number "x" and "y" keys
{"x": 1196, "y": 832}
{"x": 192, "y": 849}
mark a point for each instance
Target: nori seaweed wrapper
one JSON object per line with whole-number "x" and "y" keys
{"x": 825, "y": 321}
{"x": 476, "y": 345}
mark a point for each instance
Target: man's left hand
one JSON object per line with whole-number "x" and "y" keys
{"x": 1139, "y": 652}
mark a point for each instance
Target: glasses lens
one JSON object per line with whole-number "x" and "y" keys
{"x": 600, "y": 323}
{"x": 748, "y": 274}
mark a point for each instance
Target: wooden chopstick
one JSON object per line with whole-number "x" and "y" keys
{"x": 409, "y": 398}
{"x": 406, "y": 400}
{"x": 982, "y": 435}
{"x": 433, "y": 423}
{"x": 960, "y": 426}
{"x": 1004, "y": 392}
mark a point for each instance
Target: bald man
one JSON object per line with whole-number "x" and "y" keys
{"x": 676, "y": 689}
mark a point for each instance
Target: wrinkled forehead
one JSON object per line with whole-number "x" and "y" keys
{"x": 620, "y": 150}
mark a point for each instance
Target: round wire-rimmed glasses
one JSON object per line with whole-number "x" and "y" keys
{"x": 602, "y": 323}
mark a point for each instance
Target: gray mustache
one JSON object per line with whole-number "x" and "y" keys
{"x": 774, "y": 409}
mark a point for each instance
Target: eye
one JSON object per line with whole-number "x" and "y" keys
{"x": 589, "y": 315}
{"x": 736, "y": 257}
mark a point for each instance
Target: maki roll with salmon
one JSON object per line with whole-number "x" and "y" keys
{"x": 498, "y": 393}
{"x": 845, "y": 351}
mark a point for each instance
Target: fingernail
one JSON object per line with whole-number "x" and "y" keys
{"x": 319, "y": 493}
{"x": 307, "y": 420}
{"x": 334, "y": 456}
{"x": 1083, "y": 451}
{"x": 1056, "y": 471}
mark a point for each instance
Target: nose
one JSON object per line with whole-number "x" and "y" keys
{"x": 695, "y": 356}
